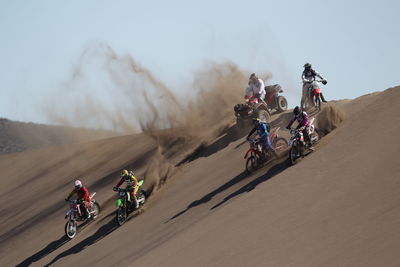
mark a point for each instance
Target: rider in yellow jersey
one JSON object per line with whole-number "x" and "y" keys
{"x": 131, "y": 183}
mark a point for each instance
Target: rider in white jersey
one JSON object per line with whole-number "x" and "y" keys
{"x": 308, "y": 78}
{"x": 256, "y": 86}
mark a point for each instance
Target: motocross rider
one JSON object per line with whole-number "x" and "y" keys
{"x": 83, "y": 196}
{"x": 131, "y": 183}
{"x": 256, "y": 86}
{"x": 303, "y": 120}
{"x": 262, "y": 129}
{"x": 308, "y": 76}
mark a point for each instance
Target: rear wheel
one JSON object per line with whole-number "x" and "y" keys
{"x": 142, "y": 197}
{"x": 251, "y": 164}
{"x": 95, "y": 210}
{"x": 282, "y": 104}
{"x": 280, "y": 144}
{"x": 317, "y": 100}
{"x": 294, "y": 154}
{"x": 314, "y": 136}
{"x": 121, "y": 215}
{"x": 70, "y": 229}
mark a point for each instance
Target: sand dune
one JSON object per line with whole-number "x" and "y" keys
{"x": 337, "y": 207}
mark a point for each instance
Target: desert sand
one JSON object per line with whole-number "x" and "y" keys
{"x": 339, "y": 206}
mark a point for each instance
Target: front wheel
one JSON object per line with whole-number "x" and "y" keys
{"x": 121, "y": 215}
{"x": 282, "y": 103}
{"x": 294, "y": 154}
{"x": 71, "y": 229}
{"x": 251, "y": 164}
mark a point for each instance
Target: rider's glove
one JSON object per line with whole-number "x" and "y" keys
{"x": 288, "y": 127}
{"x": 324, "y": 82}
{"x": 248, "y": 138}
{"x": 67, "y": 199}
{"x": 115, "y": 188}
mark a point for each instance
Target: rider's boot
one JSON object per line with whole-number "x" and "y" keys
{"x": 87, "y": 215}
{"x": 323, "y": 98}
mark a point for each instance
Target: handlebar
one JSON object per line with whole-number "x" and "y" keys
{"x": 123, "y": 189}
{"x": 76, "y": 201}
{"x": 320, "y": 81}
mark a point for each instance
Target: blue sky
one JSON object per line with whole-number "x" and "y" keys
{"x": 354, "y": 44}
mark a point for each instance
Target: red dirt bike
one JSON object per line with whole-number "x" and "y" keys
{"x": 75, "y": 215}
{"x": 313, "y": 98}
{"x": 257, "y": 155}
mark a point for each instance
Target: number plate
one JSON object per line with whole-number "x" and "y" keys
{"x": 122, "y": 193}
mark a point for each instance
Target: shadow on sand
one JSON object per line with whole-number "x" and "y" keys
{"x": 44, "y": 252}
{"x": 210, "y": 195}
{"x": 102, "y": 232}
{"x": 274, "y": 170}
{"x": 280, "y": 165}
{"x": 231, "y": 134}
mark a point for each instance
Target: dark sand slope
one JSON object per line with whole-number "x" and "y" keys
{"x": 337, "y": 207}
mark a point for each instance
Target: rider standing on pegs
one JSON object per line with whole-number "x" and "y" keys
{"x": 308, "y": 77}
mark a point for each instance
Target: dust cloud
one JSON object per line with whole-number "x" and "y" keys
{"x": 329, "y": 118}
{"x": 112, "y": 91}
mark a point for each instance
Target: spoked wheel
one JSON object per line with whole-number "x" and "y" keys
{"x": 280, "y": 144}
{"x": 70, "y": 229}
{"x": 95, "y": 211}
{"x": 314, "y": 136}
{"x": 142, "y": 197}
{"x": 251, "y": 164}
{"x": 121, "y": 216}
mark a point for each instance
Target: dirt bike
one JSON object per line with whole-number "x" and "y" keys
{"x": 313, "y": 97}
{"x": 125, "y": 204}
{"x": 257, "y": 156}
{"x": 297, "y": 143}
{"x": 75, "y": 214}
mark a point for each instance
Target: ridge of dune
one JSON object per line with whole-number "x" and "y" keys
{"x": 330, "y": 209}
{"x": 18, "y": 136}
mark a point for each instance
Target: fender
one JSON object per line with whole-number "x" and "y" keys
{"x": 69, "y": 213}
{"x": 317, "y": 91}
{"x": 248, "y": 152}
{"x": 291, "y": 141}
{"x": 119, "y": 202}
{"x": 252, "y": 150}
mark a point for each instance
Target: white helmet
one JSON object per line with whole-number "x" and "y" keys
{"x": 78, "y": 184}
